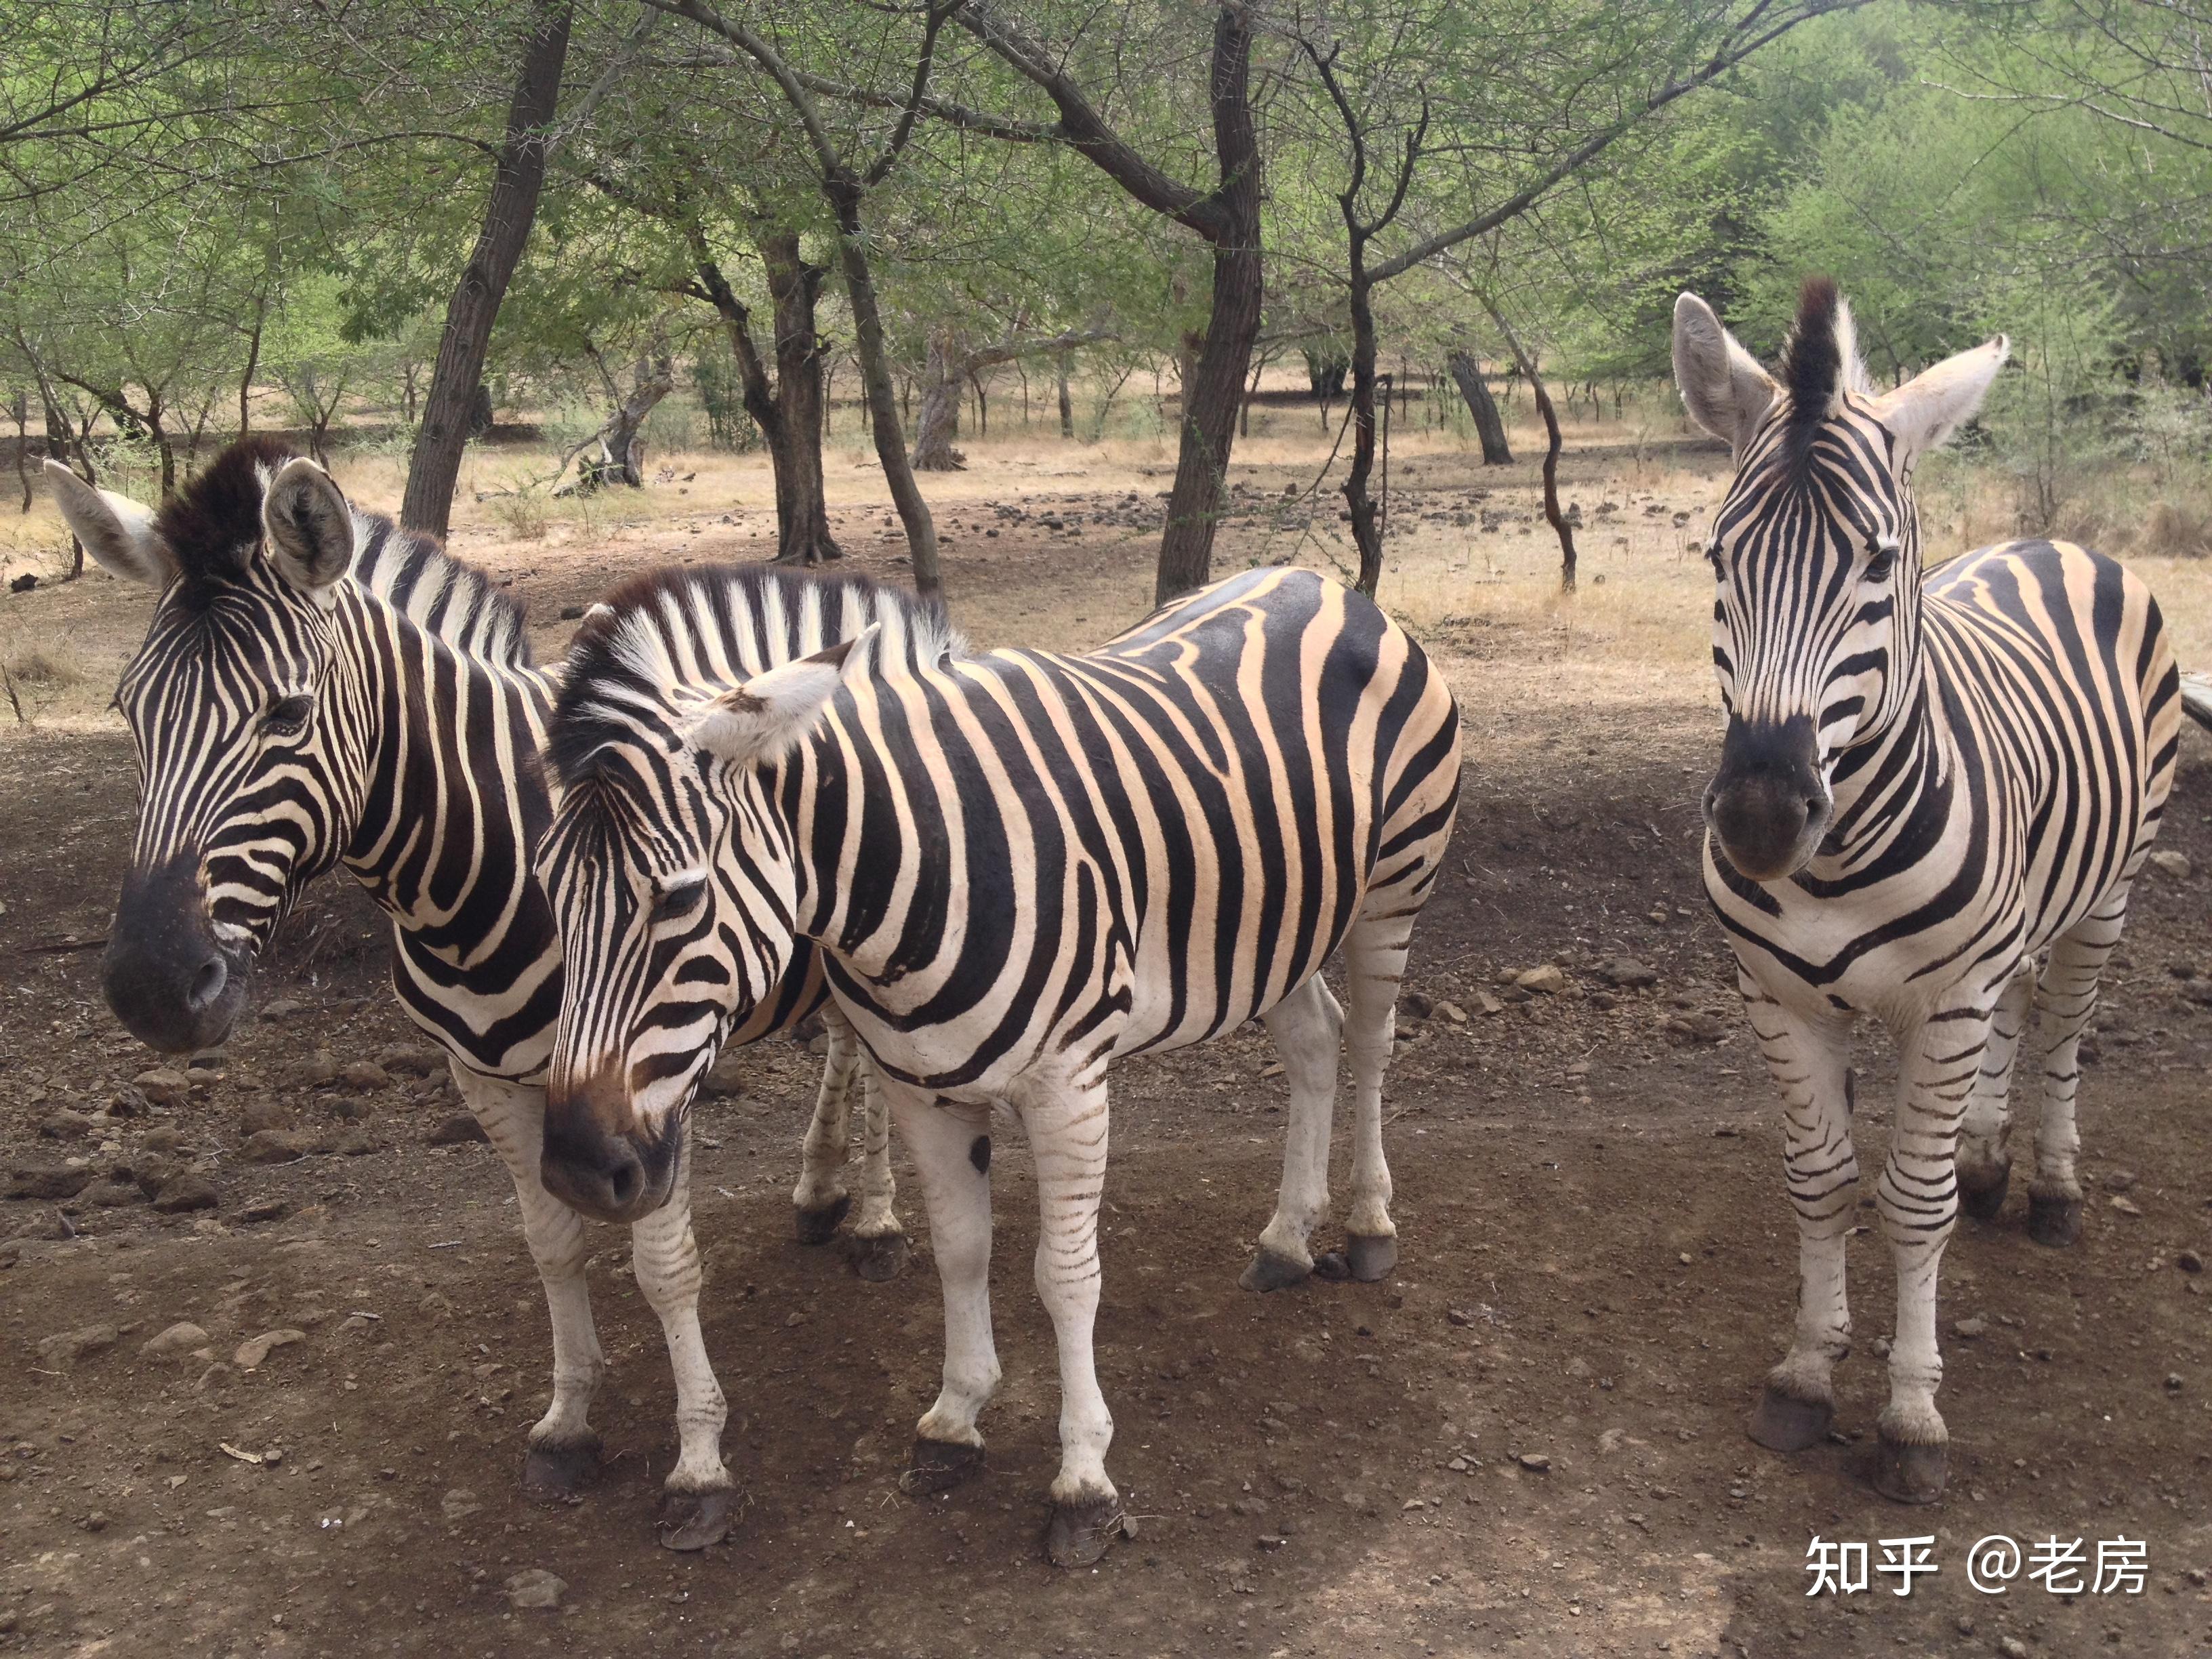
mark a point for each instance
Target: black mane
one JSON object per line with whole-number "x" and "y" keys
{"x": 1812, "y": 365}
{"x": 213, "y": 524}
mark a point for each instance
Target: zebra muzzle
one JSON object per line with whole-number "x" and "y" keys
{"x": 168, "y": 979}
{"x": 1768, "y": 805}
{"x": 609, "y": 1174}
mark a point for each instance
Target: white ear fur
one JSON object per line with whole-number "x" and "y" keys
{"x": 1855, "y": 379}
{"x": 309, "y": 526}
{"x": 763, "y": 719}
{"x": 115, "y": 529}
{"x": 1936, "y": 402}
{"x": 1723, "y": 385}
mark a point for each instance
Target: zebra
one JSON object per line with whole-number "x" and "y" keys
{"x": 1926, "y": 784}
{"x": 1018, "y": 867}
{"x": 319, "y": 687}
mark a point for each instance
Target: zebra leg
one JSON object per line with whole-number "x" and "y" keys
{"x": 878, "y": 1241}
{"x": 1375, "y": 963}
{"x": 1985, "y": 1158}
{"x": 1066, "y": 1124}
{"x": 1916, "y": 1195}
{"x": 565, "y": 1452}
{"x": 950, "y": 1145}
{"x": 698, "y": 1499}
{"x": 2063, "y": 1002}
{"x": 820, "y": 1201}
{"x": 1308, "y": 1027}
{"x": 1810, "y": 1065}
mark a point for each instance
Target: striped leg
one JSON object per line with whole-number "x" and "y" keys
{"x": 878, "y": 1241}
{"x": 1810, "y": 1063}
{"x": 950, "y": 1145}
{"x": 1066, "y": 1125}
{"x": 565, "y": 1452}
{"x": 820, "y": 1201}
{"x": 1308, "y": 1027}
{"x": 1917, "y": 1197}
{"x": 698, "y": 1503}
{"x": 2063, "y": 1002}
{"x": 1984, "y": 1155}
{"x": 1374, "y": 962}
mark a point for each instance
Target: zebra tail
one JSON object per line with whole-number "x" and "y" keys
{"x": 2196, "y": 697}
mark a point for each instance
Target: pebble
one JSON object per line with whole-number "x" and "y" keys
{"x": 1414, "y": 1005}
{"x": 163, "y": 1137}
{"x": 1452, "y": 1011}
{"x": 65, "y": 1125}
{"x": 312, "y": 1072}
{"x": 282, "y": 1008}
{"x": 1698, "y": 1026}
{"x": 1627, "y": 974}
{"x": 64, "y": 1349}
{"x": 164, "y": 1086}
{"x": 51, "y": 1180}
{"x": 2175, "y": 1382}
{"x": 2120, "y": 1181}
{"x": 182, "y": 1337}
{"x": 364, "y": 1075}
{"x": 1535, "y": 1460}
{"x": 358, "y": 1143}
{"x": 112, "y": 1194}
{"x": 2011, "y": 1647}
{"x": 1968, "y": 1329}
{"x": 260, "y": 1112}
{"x": 725, "y": 1079}
{"x": 263, "y": 1209}
{"x": 457, "y": 1130}
{"x": 1547, "y": 980}
{"x": 2125, "y": 1204}
{"x": 273, "y": 1146}
{"x": 2172, "y": 864}
{"x": 1488, "y": 1004}
{"x": 255, "y": 1349}
{"x": 412, "y": 1057}
{"x": 2190, "y": 1262}
{"x": 534, "y": 1587}
{"x": 181, "y": 1193}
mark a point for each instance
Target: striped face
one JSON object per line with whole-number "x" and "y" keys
{"x": 247, "y": 779}
{"x": 1816, "y": 561}
{"x": 673, "y": 887}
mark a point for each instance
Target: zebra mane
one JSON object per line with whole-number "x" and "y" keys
{"x": 654, "y": 639}
{"x": 212, "y": 527}
{"x": 1820, "y": 362}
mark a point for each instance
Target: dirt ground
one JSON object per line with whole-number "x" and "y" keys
{"x": 1529, "y": 1441}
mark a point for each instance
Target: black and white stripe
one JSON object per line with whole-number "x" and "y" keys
{"x": 1018, "y": 867}
{"x": 1927, "y": 787}
{"x": 318, "y": 687}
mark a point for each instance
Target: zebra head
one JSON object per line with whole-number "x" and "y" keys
{"x": 1815, "y": 551}
{"x": 672, "y": 875}
{"x": 241, "y": 782}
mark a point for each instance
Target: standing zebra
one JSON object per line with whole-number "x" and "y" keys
{"x": 1921, "y": 789}
{"x": 319, "y": 687}
{"x": 1018, "y": 867}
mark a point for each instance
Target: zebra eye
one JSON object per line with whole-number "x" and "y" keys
{"x": 286, "y": 717}
{"x": 1879, "y": 558}
{"x": 678, "y": 898}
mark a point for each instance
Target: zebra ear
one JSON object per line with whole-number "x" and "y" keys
{"x": 765, "y": 717}
{"x": 1936, "y": 402}
{"x": 115, "y": 529}
{"x": 1723, "y": 385}
{"x": 310, "y": 527}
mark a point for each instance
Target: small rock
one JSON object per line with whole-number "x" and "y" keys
{"x": 359, "y": 1143}
{"x": 273, "y": 1146}
{"x": 2125, "y": 1204}
{"x": 112, "y": 1194}
{"x": 312, "y": 1071}
{"x": 1452, "y": 1011}
{"x": 2120, "y": 1181}
{"x": 2011, "y": 1647}
{"x": 1547, "y": 980}
{"x": 1698, "y": 1026}
{"x": 2190, "y": 1262}
{"x": 364, "y": 1075}
{"x": 255, "y": 1349}
{"x": 1967, "y": 1330}
{"x": 534, "y": 1587}
{"x": 180, "y": 1338}
{"x": 263, "y": 1210}
{"x": 49, "y": 1180}
{"x": 2171, "y": 863}
{"x": 1627, "y": 974}
{"x": 1456, "y": 1465}
{"x": 163, "y": 1137}
{"x": 263, "y": 1112}
{"x": 64, "y": 1348}
{"x": 282, "y": 1008}
{"x": 457, "y": 1130}
{"x": 459, "y": 1505}
{"x": 2175, "y": 1382}
{"x": 163, "y": 1086}
{"x": 1414, "y": 1005}
{"x": 189, "y": 1191}
{"x": 1488, "y": 1004}
{"x": 725, "y": 1077}
{"x": 415, "y": 1060}
{"x": 65, "y": 1125}
{"x": 1535, "y": 1460}
{"x": 1410, "y": 1505}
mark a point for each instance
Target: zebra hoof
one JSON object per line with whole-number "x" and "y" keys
{"x": 1271, "y": 1270}
{"x": 1331, "y": 1267}
{"x": 695, "y": 1520}
{"x": 555, "y": 1473}
{"x": 2055, "y": 1220}
{"x": 1904, "y": 1472}
{"x": 880, "y": 1258}
{"x": 1781, "y": 1422}
{"x": 1982, "y": 1193}
{"x": 820, "y": 1226}
{"x": 1372, "y": 1255}
{"x": 1080, "y": 1532}
{"x": 940, "y": 1466}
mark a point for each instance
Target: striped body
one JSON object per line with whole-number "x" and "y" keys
{"x": 318, "y": 687}
{"x": 1932, "y": 798}
{"x": 1017, "y": 868}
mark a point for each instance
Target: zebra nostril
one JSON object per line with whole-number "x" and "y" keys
{"x": 624, "y": 1184}
{"x": 208, "y": 983}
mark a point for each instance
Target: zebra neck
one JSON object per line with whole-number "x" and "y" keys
{"x": 843, "y": 807}
{"x": 1879, "y": 783}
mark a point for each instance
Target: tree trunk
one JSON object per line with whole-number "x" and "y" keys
{"x": 621, "y": 441}
{"x": 435, "y": 466}
{"x": 1366, "y": 533}
{"x": 1488, "y": 423}
{"x": 1560, "y": 527}
{"x": 19, "y": 407}
{"x": 252, "y": 362}
{"x": 1066, "y": 402}
{"x": 881, "y": 396}
{"x": 938, "y": 429}
{"x": 1217, "y": 387}
{"x": 802, "y": 518}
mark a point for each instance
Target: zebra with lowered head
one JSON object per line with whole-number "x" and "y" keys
{"x": 319, "y": 687}
{"x": 1933, "y": 795}
{"x": 1018, "y": 867}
